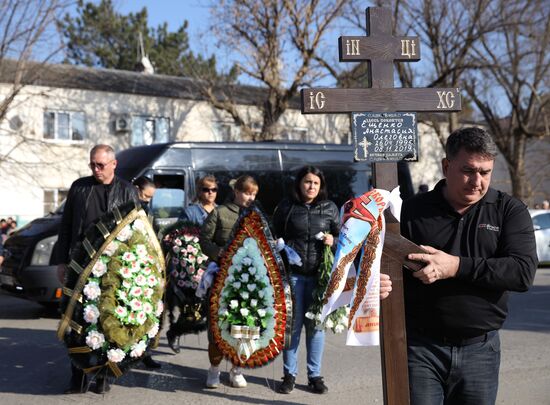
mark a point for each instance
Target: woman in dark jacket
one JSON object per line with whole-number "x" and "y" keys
{"x": 298, "y": 221}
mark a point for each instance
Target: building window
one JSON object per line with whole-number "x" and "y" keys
{"x": 64, "y": 125}
{"x": 222, "y": 131}
{"x": 296, "y": 134}
{"x": 150, "y": 130}
{"x": 53, "y": 199}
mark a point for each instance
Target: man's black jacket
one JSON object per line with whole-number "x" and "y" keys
{"x": 76, "y": 205}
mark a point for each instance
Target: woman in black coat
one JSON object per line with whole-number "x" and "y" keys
{"x": 298, "y": 220}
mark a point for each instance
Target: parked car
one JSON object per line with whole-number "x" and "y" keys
{"x": 174, "y": 168}
{"x": 541, "y": 223}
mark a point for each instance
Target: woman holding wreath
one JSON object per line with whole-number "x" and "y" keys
{"x": 298, "y": 221}
{"x": 196, "y": 213}
{"x": 214, "y": 235}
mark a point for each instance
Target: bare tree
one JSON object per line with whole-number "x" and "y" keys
{"x": 497, "y": 50}
{"x": 448, "y": 31}
{"x": 515, "y": 84}
{"x": 27, "y": 42}
{"x": 277, "y": 42}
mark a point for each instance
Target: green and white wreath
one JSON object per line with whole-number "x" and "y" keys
{"x": 115, "y": 308}
{"x": 247, "y": 299}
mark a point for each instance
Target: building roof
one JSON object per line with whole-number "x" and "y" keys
{"x": 122, "y": 81}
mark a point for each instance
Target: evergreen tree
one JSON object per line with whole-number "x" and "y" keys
{"x": 99, "y": 36}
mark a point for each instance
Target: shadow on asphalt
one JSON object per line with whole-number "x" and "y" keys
{"x": 33, "y": 362}
{"x": 529, "y": 311}
{"x": 181, "y": 378}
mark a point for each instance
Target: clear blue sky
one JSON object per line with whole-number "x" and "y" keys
{"x": 174, "y": 12}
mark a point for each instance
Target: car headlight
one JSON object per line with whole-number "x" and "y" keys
{"x": 43, "y": 251}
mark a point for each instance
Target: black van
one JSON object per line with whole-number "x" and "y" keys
{"x": 174, "y": 168}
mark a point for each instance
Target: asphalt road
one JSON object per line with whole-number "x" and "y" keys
{"x": 34, "y": 367}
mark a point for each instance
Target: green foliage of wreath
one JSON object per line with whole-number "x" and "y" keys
{"x": 114, "y": 330}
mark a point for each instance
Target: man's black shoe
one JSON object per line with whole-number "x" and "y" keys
{"x": 317, "y": 385}
{"x": 287, "y": 385}
{"x": 150, "y": 363}
{"x": 102, "y": 386}
{"x": 173, "y": 341}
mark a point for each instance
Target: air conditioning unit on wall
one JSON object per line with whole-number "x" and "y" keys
{"x": 123, "y": 123}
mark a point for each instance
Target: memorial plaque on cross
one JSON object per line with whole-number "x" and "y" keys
{"x": 381, "y": 49}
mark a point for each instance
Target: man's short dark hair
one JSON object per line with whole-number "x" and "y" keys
{"x": 473, "y": 140}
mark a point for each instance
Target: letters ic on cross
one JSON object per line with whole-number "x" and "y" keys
{"x": 381, "y": 49}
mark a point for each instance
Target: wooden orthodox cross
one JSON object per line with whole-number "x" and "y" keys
{"x": 380, "y": 48}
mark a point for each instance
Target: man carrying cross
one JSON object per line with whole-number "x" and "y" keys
{"x": 480, "y": 245}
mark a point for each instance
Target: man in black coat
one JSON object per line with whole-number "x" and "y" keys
{"x": 88, "y": 199}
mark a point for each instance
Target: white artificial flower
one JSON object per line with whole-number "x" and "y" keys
{"x": 140, "y": 280}
{"x": 121, "y": 311}
{"x": 138, "y": 349}
{"x": 339, "y": 328}
{"x": 261, "y": 312}
{"x": 247, "y": 261}
{"x": 310, "y": 315}
{"x": 92, "y": 290}
{"x": 244, "y": 294}
{"x": 136, "y": 304}
{"x": 129, "y": 257}
{"x": 223, "y": 312}
{"x": 124, "y": 234}
{"x": 244, "y": 311}
{"x": 136, "y": 291}
{"x": 328, "y": 323}
{"x": 148, "y": 308}
{"x": 139, "y": 225}
{"x": 141, "y": 251}
{"x": 234, "y": 304}
{"x": 91, "y": 314}
{"x": 252, "y": 270}
{"x": 99, "y": 268}
{"x": 245, "y": 277}
{"x": 250, "y": 243}
{"x": 148, "y": 292}
{"x": 160, "y": 308}
{"x": 153, "y": 331}
{"x": 116, "y": 355}
{"x": 251, "y": 287}
{"x": 95, "y": 339}
{"x": 152, "y": 281}
{"x": 125, "y": 272}
{"x": 253, "y": 302}
{"x": 236, "y": 285}
{"x": 110, "y": 249}
{"x": 141, "y": 317}
{"x": 122, "y": 295}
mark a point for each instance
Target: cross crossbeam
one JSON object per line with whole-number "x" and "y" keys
{"x": 323, "y": 100}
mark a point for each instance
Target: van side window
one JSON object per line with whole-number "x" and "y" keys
{"x": 169, "y": 198}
